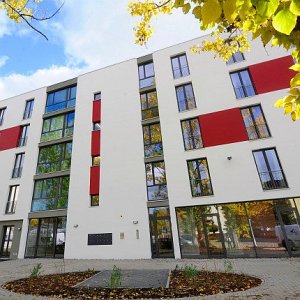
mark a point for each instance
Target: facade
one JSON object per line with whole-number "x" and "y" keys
{"x": 168, "y": 155}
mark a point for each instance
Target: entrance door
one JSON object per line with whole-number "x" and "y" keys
{"x": 8, "y": 234}
{"x": 288, "y": 232}
{"x": 214, "y": 235}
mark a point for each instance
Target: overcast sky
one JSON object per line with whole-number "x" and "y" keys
{"x": 85, "y": 35}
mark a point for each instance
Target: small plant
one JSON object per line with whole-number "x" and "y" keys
{"x": 36, "y": 271}
{"x": 115, "y": 278}
{"x": 190, "y": 271}
{"x": 228, "y": 267}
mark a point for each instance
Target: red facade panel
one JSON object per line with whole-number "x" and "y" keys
{"x": 9, "y": 138}
{"x": 97, "y": 111}
{"x": 222, "y": 127}
{"x": 94, "y": 180}
{"x": 272, "y": 75}
{"x": 95, "y": 147}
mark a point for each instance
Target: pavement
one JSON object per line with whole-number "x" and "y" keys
{"x": 280, "y": 276}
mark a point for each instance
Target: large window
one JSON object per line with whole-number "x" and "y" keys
{"x": 180, "y": 66}
{"x": 152, "y": 140}
{"x": 191, "y": 134}
{"x": 199, "y": 177}
{"x": 146, "y": 75}
{"x": 149, "y": 105}
{"x": 255, "y": 122}
{"x": 23, "y": 136}
{"x": 54, "y": 158}
{"x": 61, "y": 99}
{"x": 242, "y": 84}
{"x": 18, "y": 166}
{"x": 58, "y": 127}
{"x": 185, "y": 97}
{"x": 269, "y": 169}
{"x": 2, "y": 111}
{"x": 51, "y": 193}
{"x": 156, "y": 181}
{"x": 12, "y": 199}
{"x": 28, "y": 109}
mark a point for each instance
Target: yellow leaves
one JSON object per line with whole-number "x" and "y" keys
{"x": 295, "y": 67}
{"x": 230, "y": 10}
{"x": 211, "y": 12}
{"x": 295, "y": 81}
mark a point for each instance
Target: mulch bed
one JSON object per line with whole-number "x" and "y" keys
{"x": 181, "y": 285}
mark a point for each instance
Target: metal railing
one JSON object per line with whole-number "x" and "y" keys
{"x": 273, "y": 180}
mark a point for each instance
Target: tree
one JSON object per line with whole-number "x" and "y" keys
{"x": 24, "y": 11}
{"x": 273, "y": 21}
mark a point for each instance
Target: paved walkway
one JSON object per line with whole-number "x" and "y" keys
{"x": 281, "y": 277}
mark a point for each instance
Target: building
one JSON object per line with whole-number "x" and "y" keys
{"x": 195, "y": 161}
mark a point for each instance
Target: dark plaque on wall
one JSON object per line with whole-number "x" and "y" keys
{"x": 100, "y": 239}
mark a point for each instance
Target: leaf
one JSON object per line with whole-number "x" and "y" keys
{"x": 197, "y": 12}
{"x": 265, "y": 9}
{"x": 294, "y": 91}
{"x": 186, "y": 8}
{"x": 295, "y": 67}
{"x": 210, "y": 11}
{"x": 284, "y": 21}
{"x": 295, "y": 81}
{"x": 295, "y": 7}
{"x": 278, "y": 103}
{"x": 266, "y": 37}
{"x": 230, "y": 10}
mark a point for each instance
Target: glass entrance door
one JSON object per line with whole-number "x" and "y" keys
{"x": 214, "y": 235}
{"x": 8, "y": 234}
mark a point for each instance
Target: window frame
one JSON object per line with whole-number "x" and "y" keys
{"x": 180, "y": 66}
{"x": 200, "y": 137}
{"x": 151, "y": 143}
{"x": 23, "y": 137}
{"x": 2, "y": 113}
{"x": 154, "y": 109}
{"x": 93, "y": 203}
{"x": 12, "y": 199}
{"x": 242, "y": 86}
{"x": 185, "y": 96}
{"x": 28, "y": 109}
{"x": 18, "y": 165}
{"x": 145, "y": 78}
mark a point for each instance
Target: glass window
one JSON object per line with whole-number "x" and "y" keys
{"x": 2, "y": 111}
{"x": 149, "y": 105}
{"x": 58, "y": 127}
{"x": 12, "y": 199}
{"x": 28, "y": 109}
{"x": 96, "y": 160}
{"x": 242, "y": 84}
{"x": 94, "y": 200}
{"x": 97, "y": 96}
{"x": 54, "y": 158}
{"x": 156, "y": 181}
{"x": 23, "y": 136}
{"x": 152, "y": 140}
{"x": 96, "y": 126}
{"x": 255, "y": 122}
{"x": 51, "y": 193}
{"x": 235, "y": 57}
{"x": 8, "y": 235}
{"x": 146, "y": 75}
{"x": 18, "y": 166}
{"x": 199, "y": 177}
{"x": 185, "y": 97}
{"x": 180, "y": 66}
{"x": 269, "y": 169}
{"x": 61, "y": 99}
{"x": 191, "y": 134}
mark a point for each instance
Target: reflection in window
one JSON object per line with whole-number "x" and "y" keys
{"x": 269, "y": 169}
{"x": 152, "y": 140}
{"x": 18, "y": 166}
{"x": 180, "y": 66}
{"x": 51, "y": 193}
{"x": 255, "y": 122}
{"x": 23, "y": 136}
{"x": 28, "y": 109}
{"x": 199, "y": 177}
{"x": 96, "y": 160}
{"x": 146, "y": 75}
{"x": 156, "y": 181}
{"x": 97, "y": 96}
{"x": 149, "y": 105}
{"x": 235, "y": 57}
{"x": 96, "y": 126}
{"x": 2, "y": 111}
{"x": 12, "y": 199}
{"x": 191, "y": 134}
{"x": 185, "y": 97}
{"x": 58, "y": 127}
{"x": 94, "y": 200}
{"x": 242, "y": 84}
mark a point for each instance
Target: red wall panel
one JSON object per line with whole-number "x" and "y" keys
{"x": 97, "y": 111}
{"x": 9, "y": 138}
{"x": 222, "y": 127}
{"x": 95, "y": 147}
{"x": 272, "y": 75}
{"x": 94, "y": 180}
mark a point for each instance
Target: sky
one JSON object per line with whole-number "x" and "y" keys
{"x": 83, "y": 36}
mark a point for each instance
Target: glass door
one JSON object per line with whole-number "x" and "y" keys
{"x": 8, "y": 234}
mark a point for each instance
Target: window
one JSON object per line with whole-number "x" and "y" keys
{"x": 28, "y": 109}
{"x": 96, "y": 160}
{"x": 146, "y": 75}
{"x": 191, "y": 134}
{"x": 152, "y": 140}
{"x": 23, "y": 136}
{"x": 149, "y": 105}
{"x": 61, "y": 99}
{"x": 185, "y": 97}
{"x": 54, "y": 158}
{"x": 242, "y": 84}
{"x": 2, "y": 111}
{"x": 94, "y": 200}
{"x": 255, "y": 122}
{"x": 199, "y": 177}
{"x": 235, "y": 57}
{"x": 96, "y": 126}
{"x": 58, "y": 127}
{"x": 12, "y": 199}
{"x": 180, "y": 66}
{"x": 156, "y": 181}
{"x": 8, "y": 235}
{"x": 269, "y": 169}
{"x": 18, "y": 167}
{"x": 51, "y": 193}
{"x": 97, "y": 96}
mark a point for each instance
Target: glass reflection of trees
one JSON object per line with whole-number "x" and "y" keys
{"x": 152, "y": 140}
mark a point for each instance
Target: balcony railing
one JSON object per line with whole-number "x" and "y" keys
{"x": 273, "y": 180}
